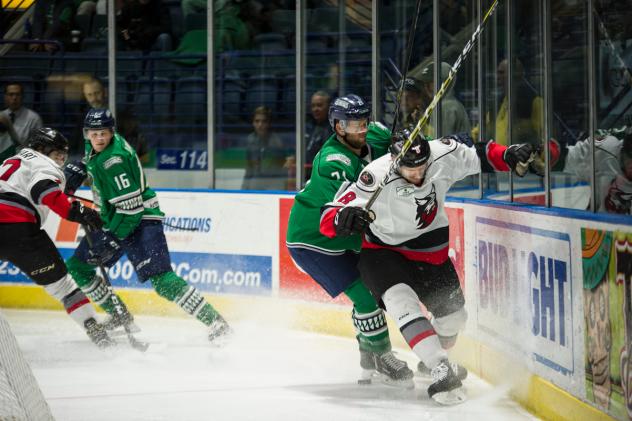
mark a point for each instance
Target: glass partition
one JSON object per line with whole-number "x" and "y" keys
{"x": 569, "y": 40}
{"x": 495, "y": 80}
{"x": 613, "y": 79}
{"x": 458, "y": 109}
{"x": 254, "y": 129}
{"x": 524, "y": 76}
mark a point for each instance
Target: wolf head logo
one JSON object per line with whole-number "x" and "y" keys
{"x": 426, "y": 209}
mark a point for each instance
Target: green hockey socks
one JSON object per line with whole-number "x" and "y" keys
{"x": 369, "y": 320}
{"x": 91, "y": 284}
{"x": 170, "y": 286}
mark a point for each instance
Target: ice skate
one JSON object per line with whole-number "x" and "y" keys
{"x": 367, "y": 363}
{"x": 459, "y": 370}
{"x": 97, "y": 334}
{"x": 219, "y": 332}
{"x": 446, "y": 388}
{"x": 124, "y": 320}
{"x": 386, "y": 369}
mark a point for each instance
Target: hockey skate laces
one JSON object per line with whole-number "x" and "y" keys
{"x": 390, "y": 359}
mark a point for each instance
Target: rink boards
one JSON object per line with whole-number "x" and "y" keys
{"x": 548, "y": 293}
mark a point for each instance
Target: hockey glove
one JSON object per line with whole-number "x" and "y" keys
{"x": 87, "y": 217}
{"x": 518, "y": 157}
{"x": 537, "y": 165}
{"x": 76, "y": 174}
{"x": 351, "y": 220}
{"x": 102, "y": 248}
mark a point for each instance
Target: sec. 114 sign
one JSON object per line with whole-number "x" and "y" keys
{"x": 182, "y": 159}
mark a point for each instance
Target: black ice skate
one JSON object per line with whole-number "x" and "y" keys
{"x": 446, "y": 387}
{"x": 459, "y": 370}
{"x": 124, "y": 320}
{"x": 385, "y": 368}
{"x": 97, "y": 334}
{"x": 219, "y": 331}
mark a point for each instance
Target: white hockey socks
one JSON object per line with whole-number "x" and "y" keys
{"x": 403, "y": 305}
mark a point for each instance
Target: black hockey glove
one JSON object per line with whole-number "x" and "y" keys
{"x": 87, "y": 217}
{"x": 351, "y": 220}
{"x": 518, "y": 157}
{"x": 76, "y": 174}
{"x": 102, "y": 248}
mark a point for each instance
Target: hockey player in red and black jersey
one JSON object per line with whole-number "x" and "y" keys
{"x": 404, "y": 258}
{"x": 31, "y": 185}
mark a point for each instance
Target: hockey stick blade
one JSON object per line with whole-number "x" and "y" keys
{"x": 433, "y": 104}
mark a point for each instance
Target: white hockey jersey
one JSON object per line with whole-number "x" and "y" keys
{"x": 412, "y": 219}
{"x": 614, "y": 191}
{"x": 25, "y": 180}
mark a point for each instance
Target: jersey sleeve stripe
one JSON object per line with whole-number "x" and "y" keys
{"x": 41, "y": 189}
{"x": 126, "y": 196}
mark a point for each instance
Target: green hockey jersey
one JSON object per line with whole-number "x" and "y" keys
{"x": 334, "y": 165}
{"x": 119, "y": 187}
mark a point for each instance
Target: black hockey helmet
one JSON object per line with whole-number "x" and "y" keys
{"x": 417, "y": 154}
{"x": 47, "y": 140}
{"x": 348, "y": 107}
{"x": 99, "y": 118}
{"x": 412, "y": 85}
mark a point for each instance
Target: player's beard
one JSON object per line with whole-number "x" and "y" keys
{"x": 356, "y": 141}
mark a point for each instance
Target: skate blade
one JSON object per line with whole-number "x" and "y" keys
{"x": 120, "y": 330}
{"x": 451, "y": 397}
{"x": 373, "y": 377}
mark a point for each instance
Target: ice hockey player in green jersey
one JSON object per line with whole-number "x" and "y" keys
{"x": 332, "y": 262}
{"x": 132, "y": 225}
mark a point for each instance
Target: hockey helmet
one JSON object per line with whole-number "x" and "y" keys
{"x": 417, "y": 154}
{"x": 99, "y": 118}
{"x": 47, "y": 140}
{"x": 348, "y": 107}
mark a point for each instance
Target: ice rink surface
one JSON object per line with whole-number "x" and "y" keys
{"x": 264, "y": 373}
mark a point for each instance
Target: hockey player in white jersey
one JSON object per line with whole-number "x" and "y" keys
{"x": 613, "y": 169}
{"x": 31, "y": 184}
{"x": 404, "y": 258}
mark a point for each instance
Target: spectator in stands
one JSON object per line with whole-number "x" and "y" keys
{"x": 231, "y": 33}
{"x": 144, "y": 25}
{"x": 317, "y": 131}
{"x": 96, "y": 97}
{"x": 52, "y": 20}
{"x": 265, "y": 155}
{"x": 23, "y": 120}
{"x": 454, "y": 118}
{"x": 527, "y": 109}
{"x": 411, "y": 102}
{"x": 318, "y": 128}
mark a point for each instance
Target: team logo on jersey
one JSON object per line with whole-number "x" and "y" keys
{"x": 446, "y": 141}
{"x": 367, "y": 178}
{"x": 112, "y": 161}
{"x": 426, "y": 209}
{"x": 338, "y": 157}
{"x": 406, "y": 190}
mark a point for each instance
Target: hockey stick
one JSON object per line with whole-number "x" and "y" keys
{"x": 433, "y": 104}
{"x": 409, "y": 53}
{"x": 134, "y": 343}
{"x": 163, "y": 222}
